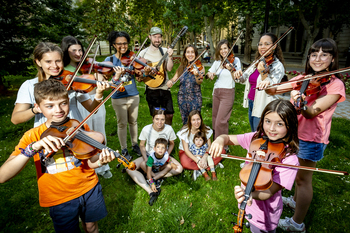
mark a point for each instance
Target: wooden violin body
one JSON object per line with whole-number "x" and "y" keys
{"x": 257, "y": 176}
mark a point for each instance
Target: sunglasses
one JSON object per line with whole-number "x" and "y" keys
{"x": 163, "y": 109}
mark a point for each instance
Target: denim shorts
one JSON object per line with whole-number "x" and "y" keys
{"x": 312, "y": 151}
{"x": 90, "y": 207}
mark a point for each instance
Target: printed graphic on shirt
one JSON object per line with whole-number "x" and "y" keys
{"x": 61, "y": 161}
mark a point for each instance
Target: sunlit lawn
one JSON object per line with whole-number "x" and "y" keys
{"x": 184, "y": 205}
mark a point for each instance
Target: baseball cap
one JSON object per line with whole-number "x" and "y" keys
{"x": 155, "y": 30}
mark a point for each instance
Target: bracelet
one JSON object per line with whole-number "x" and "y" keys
{"x": 29, "y": 151}
{"x": 99, "y": 163}
{"x": 143, "y": 74}
{"x": 151, "y": 181}
{"x": 33, "y": 111}
{"x": 98, "y": 99}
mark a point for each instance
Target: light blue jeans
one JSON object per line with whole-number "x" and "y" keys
{"x": 253, "y": 121}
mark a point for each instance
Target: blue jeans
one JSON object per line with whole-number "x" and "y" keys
{"x": 312, "y": 151}
{"x": 253, "y": 121}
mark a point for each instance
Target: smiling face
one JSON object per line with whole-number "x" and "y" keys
{"x": 320, "y": 60}
{"x": 158, "y": 122}
{"x": 195, "y": 122}
{"x": 156, "y": 40}
{"x": 54, "y": 110}
{"x": 121, "y": 45}
{"x": 224, "y": 50}
{"x": 75, "y": 53}
{"x": 274, "y": 127}
{"x": 51, "y": 63}
{"x": 264, "y": 44}
{"x": 190, "y": 54}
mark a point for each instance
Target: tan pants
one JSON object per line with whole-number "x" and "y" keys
{"x": 127, "y": 110}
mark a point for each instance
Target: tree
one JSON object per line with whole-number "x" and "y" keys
{"x": 24, "y": 23}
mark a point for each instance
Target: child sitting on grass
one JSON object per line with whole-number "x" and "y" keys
{"x": 198, "y": 149}
{"x": 67, "y": 185}
{"x": 157, "y": 166}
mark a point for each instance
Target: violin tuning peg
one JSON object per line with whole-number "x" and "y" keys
{"x": 235, "y": 214}
{"x": 248, "y": 216}
{"x": 118, "y": 165}
{"x": 247, "y": 224}
{"x": 123, "y": 170}
{"x": 233, "y": 223}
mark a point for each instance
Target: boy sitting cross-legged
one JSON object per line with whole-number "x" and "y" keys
{"x": 157, "y": 166}
{"x": 67, "y": 185}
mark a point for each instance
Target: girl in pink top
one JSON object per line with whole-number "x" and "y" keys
{"x": 278, "y": 124}
{"x": 314, "y": 128}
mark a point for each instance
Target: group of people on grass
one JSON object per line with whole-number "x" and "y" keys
{"x": 64, "y": 181}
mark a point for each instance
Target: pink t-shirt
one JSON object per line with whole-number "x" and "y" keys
{"x": 318, "y": 128}
{"x": 265, "y": 214}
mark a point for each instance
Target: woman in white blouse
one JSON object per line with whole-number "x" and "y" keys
{"x": 224, "y": 88}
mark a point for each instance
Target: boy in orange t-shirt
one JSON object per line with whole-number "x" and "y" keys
{"x": 67, "y": 185}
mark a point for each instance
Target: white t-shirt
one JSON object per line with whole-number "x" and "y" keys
{"x": 183, "y": 135}
{"x": 25, "y": 95}
{"x": 155, "y": 56}
{"x": 150, "y": 136}
{"x": 225, "y": 79}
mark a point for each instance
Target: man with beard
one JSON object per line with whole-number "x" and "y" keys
{"x": 158, "y": 97}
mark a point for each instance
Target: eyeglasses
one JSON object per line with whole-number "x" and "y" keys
{"x": 266, "y": 44}
{"x": 120, "y": 44}
{"x": 322, "y": 56}
{"x": 163, "y": 109}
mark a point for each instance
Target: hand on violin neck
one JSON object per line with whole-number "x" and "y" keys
{"x": 170, "y": 52}
{"x": 101, "y": 159}
{"x": 238, "y": 74}
{"x": 101, "y": 87}
{"x": 239, "y": 195}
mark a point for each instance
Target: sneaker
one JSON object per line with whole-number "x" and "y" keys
{"x": 107, "y": 174}
{"x": 288, "y": 201}
{"x": 220, "y": 165}
{"x": 125, "y": 152}
{"x": 287, "y": 225}
{"x": 213, "y": 176}
{"x": 242, "y": 165}
{"x": 159, "y": 182}
{"x": 206, "y": 176}
{"x": 196, "y": 174}
{"x": 152, "y": 198}
{"x": 136, "y": 149}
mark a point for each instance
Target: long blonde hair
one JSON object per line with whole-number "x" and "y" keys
{"x": 38, "y": 53}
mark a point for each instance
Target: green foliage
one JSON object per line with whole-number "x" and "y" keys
{"x": 24, "y": 23}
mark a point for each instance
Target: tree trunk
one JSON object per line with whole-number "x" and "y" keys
{"x": 209, "y": 29}
{"x": 311, "y": 34}
{"x": 248, "y": 39}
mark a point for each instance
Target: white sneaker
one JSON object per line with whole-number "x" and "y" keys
{"x": 242, "y": 165}
{"x": 196, "y": 174}
{"x": 288, "y": 201}
{"x": 107, "y": 174}
{"x": 220, "y": 165}
{"x": 287, "y": 225}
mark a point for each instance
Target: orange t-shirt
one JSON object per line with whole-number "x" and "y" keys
{"x": 62, "y": 177}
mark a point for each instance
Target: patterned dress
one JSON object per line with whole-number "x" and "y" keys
{"x": 189, "y": 96}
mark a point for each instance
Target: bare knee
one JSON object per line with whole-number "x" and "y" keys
{"x": 91, "y": 227}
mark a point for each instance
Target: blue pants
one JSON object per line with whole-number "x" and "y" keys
{"x": 253, "y": 121}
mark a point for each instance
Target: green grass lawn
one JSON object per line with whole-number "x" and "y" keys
{"x": 203, "y": 206}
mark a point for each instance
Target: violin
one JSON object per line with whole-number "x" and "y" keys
{"x": 105, "y": 68}
{"x": 258, "y": 176}
{"x": 197, "y": 65}
{"x": 84, "y": 83}
{"x": 267, "y": 62}
{"x": 229, "y": 60}
{"x": 84, "y": 144}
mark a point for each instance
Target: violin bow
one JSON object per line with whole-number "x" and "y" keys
{"x": 94, "y": 59}
{"x": 192, "y": 63}
{"x": 229, "y": 52}
{"x": 308, "y": 78}
{"x": 269, "y": 50}
{"x": 81, "y": 62}
{"x": 315, "y": 169}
